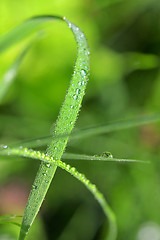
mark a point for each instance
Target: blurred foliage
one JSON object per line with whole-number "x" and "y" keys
{"x": 124, "y": 39}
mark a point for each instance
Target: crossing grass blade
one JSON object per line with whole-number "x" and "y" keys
{"x": 93, "y": 130}
{"x": 25, "y": 152}
{"x": 112, "y": 231}
{"x": 68, "y": 113}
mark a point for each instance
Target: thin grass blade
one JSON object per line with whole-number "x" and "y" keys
{"x": 11, "y": 74}
{"x": 7, "y": 219}
{"x": 67, "y": 116}
{"x": 92, "y": 131}
{"x": 81, "y": 177}
{"x": 24, "y": 30}
{"x": 25, "y": 152}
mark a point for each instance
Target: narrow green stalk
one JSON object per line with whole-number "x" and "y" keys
{"x": 11, "y": 74}
{"x": 47, "y": 161}
{"x": 69, "y": 156}
{"x": 95, "y": 130}
{"x": 64, "y": 125}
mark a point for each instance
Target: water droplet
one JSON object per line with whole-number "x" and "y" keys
{"x": 79, "y": 83}
{"x": 78, "y": 91}
{"x": 83, "y": 83}
{"x": 73, "y": 169}
{"x": 44, "y": 174}
{"x": 83, "y": 73}
{"x": 75, "y": 97}
{"x": 34, "y": 187}
{"x": 4, "y": 146}
{"x": 68, "y": 167}
{"x": 87, "y": 52}
{"x": 48, "y": 165}
{"x": 71, "y": 106}
{"x": 70, "y": 25}
{"x": 107, "y": 155}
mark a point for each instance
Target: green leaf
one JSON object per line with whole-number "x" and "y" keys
{"x": 22, "y": 31}
{"x": 11, "y": 74}
{"x": 7, "y": 219}
{"x": 68, "y": 113}
{"x": 25, "y": 152}
{"x": 49, "y": 161}
{"x": 93, "y": 130}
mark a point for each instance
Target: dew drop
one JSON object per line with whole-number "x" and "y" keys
{"x": 4, "y": 146}
{"x": 71, "y": 106}
{"x": 48, "y": 165}
{"x": 75, "y": 97}
{"x": 68, "y": 167}
{"x": 79, "y": 83}
{"x": 77, "y": 91}
{"x": 34, "y": 187}
{"x": 83, "y": 83}
{"x": 83, "y": 73}
{"x": 87, "y": 52}
{"x": 44, "y": 174}
{"x": 70, "y": 25}
{"x": 107, "y": 155}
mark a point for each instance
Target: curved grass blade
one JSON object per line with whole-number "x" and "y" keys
{"x": 92, "y": 131}
{"x": 25, "y": 152}
{"x": 23, "y": 30}
{"x": 66, "y": 119}
{"x": 49, "y": 161}
{"x": 10, "y": 75}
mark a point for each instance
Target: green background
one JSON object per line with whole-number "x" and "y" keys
{"x": 124, "y": 40}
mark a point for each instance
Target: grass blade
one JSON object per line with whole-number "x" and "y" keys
{"x": 24, "y": 30}
{"x": 67, "y": 116}
{"x": 25, "y": 152}
{"x": 7, "y": 219}
{"x": 10, "y": 75}
{"x": 93, "y": 131}
{"x": 115, "y": 126}
{"x": 49, "y": 161}
{"x": 72, "y": 156}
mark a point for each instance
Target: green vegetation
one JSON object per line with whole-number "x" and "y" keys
{"x": 118, "y": 126}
